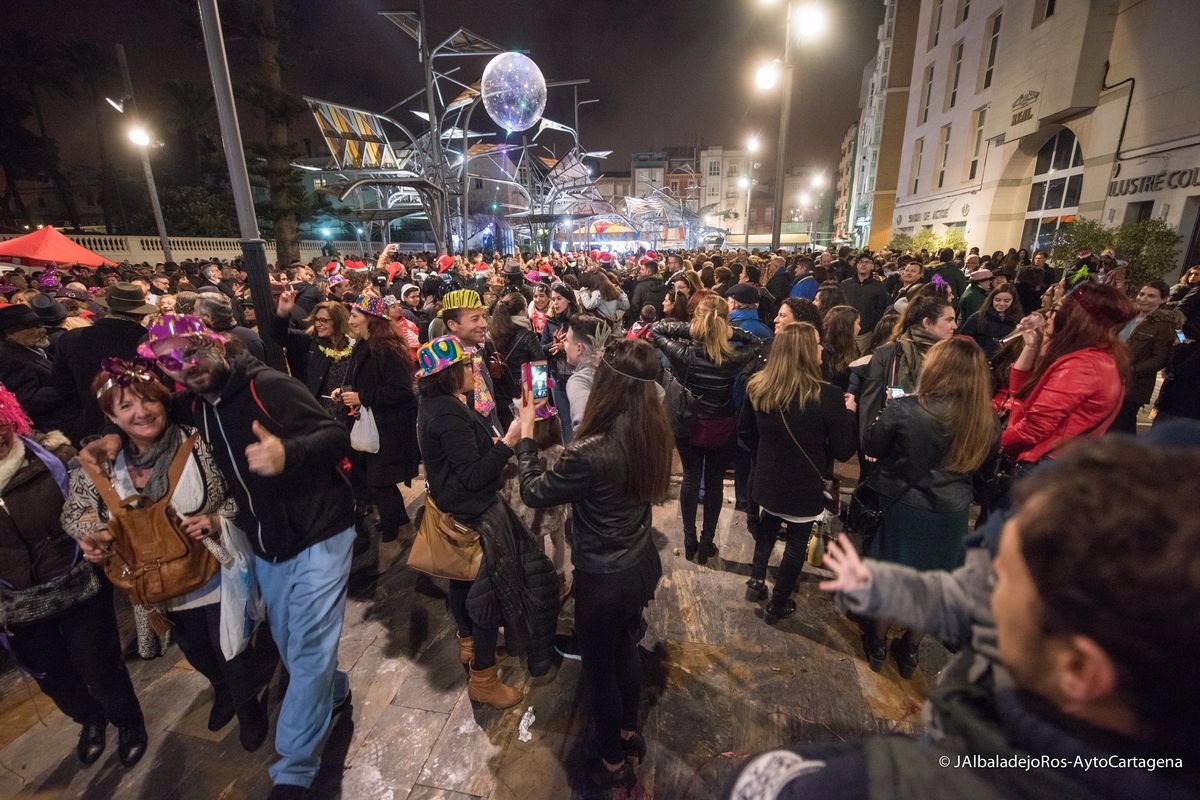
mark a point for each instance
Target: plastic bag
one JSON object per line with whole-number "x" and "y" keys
{"x": 364, "y": 436}
{"x": 241, "y": 604}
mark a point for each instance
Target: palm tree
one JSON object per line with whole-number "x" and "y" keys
{"x": 94, "y": 67}
{"x": 190, "y": 110}
{"x": 42, "y": 70}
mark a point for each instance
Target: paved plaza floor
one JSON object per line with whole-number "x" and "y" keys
{"x": 720, "y": 685}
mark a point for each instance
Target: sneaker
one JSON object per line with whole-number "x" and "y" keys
{"x": 567, "y": 646}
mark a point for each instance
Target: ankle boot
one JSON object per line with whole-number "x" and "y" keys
{"x": 466, "y": 648}
{"x": 253, "y": 723}
{"x": 874, "y": 648}
{"x": 91, "y": 742}
{"x": 690, "y": 545}
{"x": 485, "y": 687}
{"x": 905, "y": 652}
{"x": 707, "y": 550}
{"x": 131, "y": 744}
{"x": 222, "y": 708}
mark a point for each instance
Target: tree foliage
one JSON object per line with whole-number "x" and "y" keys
{"x": 925, "y": 239}
{"x": 1151, "y": 247}
{"x": 901, "y": 242}
{"x": 955, "y": 239}
{"x": 1081, "y": 234}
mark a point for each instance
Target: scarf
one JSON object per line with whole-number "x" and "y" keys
{"x": 157, "y": 459}
{"x": 537, "y": 318}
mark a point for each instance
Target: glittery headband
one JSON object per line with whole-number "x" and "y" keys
{"x": 124, "y": 374}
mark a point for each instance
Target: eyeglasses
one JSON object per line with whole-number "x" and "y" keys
{"x": 323, "y": 320}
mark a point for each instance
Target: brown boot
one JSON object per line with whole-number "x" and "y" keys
{"x": 485, "y": 687}
{"x": 466, "y": 648}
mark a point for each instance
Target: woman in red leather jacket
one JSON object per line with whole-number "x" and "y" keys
{"x": 1070, "y": 378}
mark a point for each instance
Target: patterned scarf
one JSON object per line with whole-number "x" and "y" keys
{"x": 485, "y": 404}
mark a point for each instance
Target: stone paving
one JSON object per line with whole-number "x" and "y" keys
{"x": 720, "y": 685}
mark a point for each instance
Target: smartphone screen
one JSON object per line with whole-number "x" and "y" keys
{"x": 539, "y": 380}
{"x": 1179, "y": 335}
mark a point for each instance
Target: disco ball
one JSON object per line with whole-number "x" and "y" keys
{"x": 514, "y": 91}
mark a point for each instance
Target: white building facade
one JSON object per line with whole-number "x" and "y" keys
{"x": 1025, "y": 114}
{"x": 720, "y": 172}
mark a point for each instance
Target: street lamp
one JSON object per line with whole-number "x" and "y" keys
{"x": 809, "y": 23}
{"x": 141, "y": 137}
{"x": 818, "y": 181}
{"x": 744, "y": 183}
{"x": 752, "y": 144}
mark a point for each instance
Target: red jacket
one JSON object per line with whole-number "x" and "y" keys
{"x": 1080, "y": 393}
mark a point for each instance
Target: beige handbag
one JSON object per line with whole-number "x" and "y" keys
{"x": 444, "y": 547}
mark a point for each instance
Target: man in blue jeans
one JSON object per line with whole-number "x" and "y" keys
{"x": 279, "y": 452}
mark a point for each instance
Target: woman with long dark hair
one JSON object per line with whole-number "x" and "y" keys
{"x": 675, "y": 307}
{"x": 927, "y": 445}
{"x": 511, "y": 337}
{"x": 616, "y": 469}
{"x": 839, "y": 345}
{"x": 995, "y": 319}
{"x": 1070, "y": 379}
{"x": 705, "y": 357}
{"x": 797, "y": 425}
{"x": 600, "y": 296}
{"x": 380, "y": 379}
{"x": 554, "y": 334}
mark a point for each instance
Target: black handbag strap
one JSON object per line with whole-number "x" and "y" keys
{"x": 792, "y": 436}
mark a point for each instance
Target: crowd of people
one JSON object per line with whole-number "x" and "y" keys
{"x": 148, "y": 444}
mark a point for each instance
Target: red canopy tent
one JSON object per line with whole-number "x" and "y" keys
{"x": 47, "y": 246}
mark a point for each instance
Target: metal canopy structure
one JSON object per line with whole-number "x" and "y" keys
{"x": 390, "y": 172}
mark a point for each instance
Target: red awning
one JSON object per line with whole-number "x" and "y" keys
{"x": 47, "y": 246}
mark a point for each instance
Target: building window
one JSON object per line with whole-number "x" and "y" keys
{"x": 714, "y": 168}
{"x": 943, "y": 155}
{"x": 956, "y": 55}
{"x": 713, "y": 190}
{"x": 977, "y": 142}
{"x": 935, "y": 23}
{"x": 479, "y": 183}
{"x": 991, "y": 48}
{"x": 733, "y": 169}
{"x": 964, "y": 11}
{"x": 1055, "y": 191}
{"x": 1043, "y": 10}
{"x": 926, "y": 93}
{"x": 1139, "y": 212}
{"x": 914, "y": 178}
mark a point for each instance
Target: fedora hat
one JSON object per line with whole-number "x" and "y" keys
{"x": 17, "y": 315}
{"x": 126, "y": 298}
{"x": 48, "y": 310}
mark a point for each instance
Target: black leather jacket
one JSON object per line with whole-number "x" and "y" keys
{"x": 911, "y": 444}
{"x": 691, "y": 365}
{"x": 611, "y": 532}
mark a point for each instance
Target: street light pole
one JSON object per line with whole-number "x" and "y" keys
{"x": 254, "y": 250}
{"x": 145, "y": 153}
{"x": 785, "y": 112}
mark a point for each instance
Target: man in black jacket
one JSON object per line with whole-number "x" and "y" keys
{"x": 649, "y": 291}
{"x": 866, "y": 293}
{"x": 279, "y": 452}
{"x": 25, "y": 367}
{"x": 781, "y": 280}
{"x": 78, "y": 354}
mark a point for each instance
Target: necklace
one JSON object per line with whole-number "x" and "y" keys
{"x": 335, "y": 355}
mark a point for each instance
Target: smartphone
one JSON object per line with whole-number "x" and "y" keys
{"x": 536, "y": 377}
{"x": 1179, "y": 335}
{"x": 895, "y": 392}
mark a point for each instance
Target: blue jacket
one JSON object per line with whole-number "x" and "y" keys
{"x": 806, "y": 287}
{"x": 747, "y": 319}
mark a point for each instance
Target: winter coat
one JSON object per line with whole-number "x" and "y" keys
{"x": 28, "y": 374}
{"x": 1079, "y": 394}
{"x": 971, "y": 301}
{"x": 610, "y": 531}
{"x": 77, "y": 360}
{"x": 464, "y": 469}
{"x": 896, "y": 364}
{"x": 309, "y": 363}
{"x": 516, "y": 587}
{"x": 612, "y": 310}
{"x": 951, "y": 273}
{"x": 747, "y": 319}
{"x": 712, "y": 384}
{"x": 780, "y": 284}
{"x": 33, "y": 546}
{"x": 1149, "y": 346}
{"x": 987, "y": 328}
{"x": 522, "y": 348}
{"x": 559, "y": 367}
{"x": 868, "y": 297}
{"x": 648, "y": 291}
{"x": 911, "y": 444}
{"x": 805, "y": 288}
{"x": 310, "y": 501}
{"x": 1180, "y": 392}
{"x": 825, "y": 429}
{"x": 384, "y": 384}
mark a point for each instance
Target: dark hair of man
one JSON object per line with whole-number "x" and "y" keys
{"x": 583, "y": 327}
{"x": 843, "y": 252}
{"x": 624, "y": 408}
{"x": 723, "y": 274}
{"x": 1080, "y": 520}
{"x": 1159, "y": 286}
{"x": 946, "y": 255}
{"x": 753, "y": 273}
{"x": 447, "y": 382}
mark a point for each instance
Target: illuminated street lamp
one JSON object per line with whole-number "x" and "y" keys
{"x": 752, "y": 144}
{"x": 818, "y": 181}
{"x": 805, "y": 21}
{"x": 141, "y": 137}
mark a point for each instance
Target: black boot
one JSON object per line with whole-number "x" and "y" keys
{"x": 756, "y": 590}
{"x": 905, "y": 651}
{"x": 131, "y": 744}
{"x": 635, "y": 747}
{"x": 690, "y": 545}
{"x": 779, "y": 609}
{"x": 623, "y": 778}
{"x": 91, "y": 742}
{"x": 707, "y": 550}
{"x": 874, "y": 647}
{"x": 222, "y": 708}
{"x": 253, "y": 723}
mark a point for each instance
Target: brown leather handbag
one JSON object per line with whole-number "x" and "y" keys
{"x": 444, "y": 547}
{"x": 152, "y": 558}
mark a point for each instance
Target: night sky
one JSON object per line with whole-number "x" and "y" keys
{"x": 666, "y": 72}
